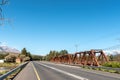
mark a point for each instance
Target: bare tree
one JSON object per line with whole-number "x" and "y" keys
{"x": 2, "y": 3}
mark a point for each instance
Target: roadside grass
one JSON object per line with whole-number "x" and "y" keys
{"x": 102, "y": 69}
{"x": 9, "y": 65}
{"x": 12, "y": 76}
{"x": 3, "y": 72}
{"x": 112, "y": 64}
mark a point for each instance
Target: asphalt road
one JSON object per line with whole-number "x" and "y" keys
{"x": 28, "y": 73}
{"x": 52, "y": 71}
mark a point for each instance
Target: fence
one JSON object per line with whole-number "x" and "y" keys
{"x": 101, "y": 68}
{"x": 109, "y": 69}
{"x": 2, "y": 77}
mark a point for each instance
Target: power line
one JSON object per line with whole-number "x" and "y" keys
{"x": 76, "y": 46}
{"x": 112, "y": 47}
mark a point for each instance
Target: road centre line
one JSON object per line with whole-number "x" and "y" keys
{"x": 38, "y": 77}
{"x": 66, "y": 73}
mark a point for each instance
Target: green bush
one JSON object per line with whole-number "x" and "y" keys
{"x": 3, "y": 72}
{"x": 112, "y": 64}
{"x": 8, "y": 64}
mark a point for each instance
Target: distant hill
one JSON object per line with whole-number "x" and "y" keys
{"x": 8, "y": 49}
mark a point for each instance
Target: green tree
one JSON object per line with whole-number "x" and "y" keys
{"x": 3, "y": 55}
{"x": 25, "y": 56}
{"x": 21, "y": 56}
{"x": 117, "y": 57}
{"x": 10, "y": 58}
{"x": 52, "y": 54}
{"x": 37, "y": 57}
{"x": 111, "y": 57}
{"x": 63, "y": 52}
{"x": 24, "y": 52}
{"x": 29, "y": 55}
{"x": 26, "y": 59}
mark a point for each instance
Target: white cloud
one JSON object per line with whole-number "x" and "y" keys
{"x": 3, "y": 44}
{"x": 112, "y": 51}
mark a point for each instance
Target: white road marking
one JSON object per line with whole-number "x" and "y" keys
{"x": 63, "y": 65}
{"x": 66, "y": 73}
{"x": 38, "y": 77}
{"x": 68, "y": 66}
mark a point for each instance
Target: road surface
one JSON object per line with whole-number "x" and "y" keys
{"x": 52, "y": 71}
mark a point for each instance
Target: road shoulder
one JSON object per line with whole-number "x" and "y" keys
{"x": 27, "y": 73}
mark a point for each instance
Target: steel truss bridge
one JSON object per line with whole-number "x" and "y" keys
{"x": 91, "y": 58}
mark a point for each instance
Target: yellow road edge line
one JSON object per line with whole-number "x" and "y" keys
{"x": 38, "y": 77}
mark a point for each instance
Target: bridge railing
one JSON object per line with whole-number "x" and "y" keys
{"x": 2, "y": 77}
{"x": 117, "y": 70}
{"x": 101, "y": 68}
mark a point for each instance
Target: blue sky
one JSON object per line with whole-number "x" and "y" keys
{"x": 44, "y": 25}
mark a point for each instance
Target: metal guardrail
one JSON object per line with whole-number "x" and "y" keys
{"x": 117, "y": 70}
{"x": 2, "y": 77}
{"x": 105, "y": 68}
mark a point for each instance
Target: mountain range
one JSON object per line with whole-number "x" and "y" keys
{"x": 8, "y": 49}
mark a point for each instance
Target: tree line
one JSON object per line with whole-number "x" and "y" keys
{"x": 27, "y": 56}
{"x": 23, "y": 56}
{"x": 54, "y": 54}
{"x": 115, "y": 57}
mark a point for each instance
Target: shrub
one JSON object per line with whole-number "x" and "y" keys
{"x": 10, "y": 58}
{"x": 112, "y": 64}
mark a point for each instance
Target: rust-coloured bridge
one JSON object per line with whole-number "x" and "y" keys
{"x": 92, "y": 58}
